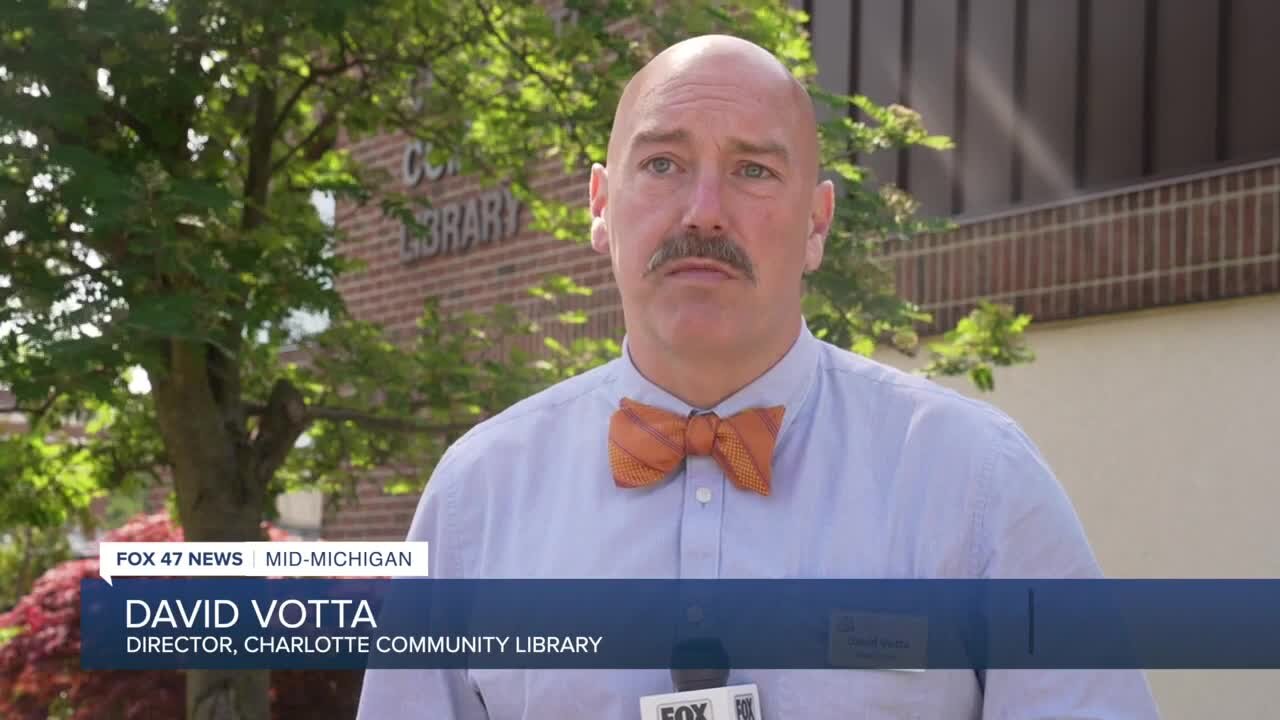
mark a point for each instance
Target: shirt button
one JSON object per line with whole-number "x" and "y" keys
{"x": 703, "y": 495}
{"x": 694, "y": 614}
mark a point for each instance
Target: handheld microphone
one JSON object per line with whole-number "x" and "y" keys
{"x": 700, "y": 692}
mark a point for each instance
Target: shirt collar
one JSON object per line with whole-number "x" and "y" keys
{"x": 787, "y": 383}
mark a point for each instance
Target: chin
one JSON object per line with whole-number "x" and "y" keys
{"x": 701, "y": 336}
{"x": 702, "y": 323}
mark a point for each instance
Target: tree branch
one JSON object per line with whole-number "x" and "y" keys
{"x": 314, "y": 74}
{"x": 382, "y": 422}
{"x": 557, "y": 88}
{"x": 367, "y": 420}
{"x": 133, "y": 122}
{"x": 284, "y": 418}
{"x": 325, "y": 124}
{"x": 262, "y": 135}
{"x": 37, "y": 412}
{"x": 155, "y": 467}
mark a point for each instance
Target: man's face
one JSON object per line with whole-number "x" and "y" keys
{"x": 710, "y": 209}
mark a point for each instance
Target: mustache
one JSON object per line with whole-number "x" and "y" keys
{"x": 709, "y": 247}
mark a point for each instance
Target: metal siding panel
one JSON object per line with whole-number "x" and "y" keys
{"x": 1186, "y": 85}
{"x": 880, "y": 67}
{"x": 1048, "y": 131}
{"x": 989, "y": 106}
{"x": 932, "y": 94}
{"x": 831, "y": 43}
{"x": 1114, "y": 126}
{"x": 1253, "y": 101}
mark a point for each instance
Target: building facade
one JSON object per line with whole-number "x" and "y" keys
{"x": 1117, "y": 175}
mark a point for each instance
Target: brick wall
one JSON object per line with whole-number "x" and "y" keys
{"x": 372, "y": 515}
{"x": 1183, "y": 240}
{"x": 391, "y": 291}
{"x": 1193, "y": 239}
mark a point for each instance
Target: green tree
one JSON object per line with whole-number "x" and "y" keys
{"x": 158, "y": 162}
{"x": 26, "y": 556}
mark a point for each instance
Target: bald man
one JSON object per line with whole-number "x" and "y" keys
{"x": 729, "y": 442}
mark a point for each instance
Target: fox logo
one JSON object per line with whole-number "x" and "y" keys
{"x": 688, "y": 711}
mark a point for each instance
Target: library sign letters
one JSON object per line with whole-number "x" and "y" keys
{"x": 490, "y": 216}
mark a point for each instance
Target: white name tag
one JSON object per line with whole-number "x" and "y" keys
{"x": 878, "y": 641}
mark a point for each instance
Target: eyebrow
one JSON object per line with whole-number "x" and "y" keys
{"x": 768, "y": 147}
{"x": 737, "y": 145}
{"x": 660, "y": 137}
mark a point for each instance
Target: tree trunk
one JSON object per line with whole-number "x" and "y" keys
{"x": 215, "y": 507}
{"x": 220, "y": 473}
{"x": 221, "y": 469}
{"x": 228, "y": 694}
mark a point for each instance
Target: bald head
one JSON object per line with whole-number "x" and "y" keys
{"x": 711, "y": 211}
{"x": 718, "y": 64}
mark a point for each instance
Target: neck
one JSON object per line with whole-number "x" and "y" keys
{"x": 704, "y": 378}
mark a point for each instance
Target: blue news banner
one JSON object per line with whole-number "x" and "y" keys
{"x": 795, "y": 624}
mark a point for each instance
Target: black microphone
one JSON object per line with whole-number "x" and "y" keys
{"x": 698, "y": 664}
{"x": 699, "y": 671}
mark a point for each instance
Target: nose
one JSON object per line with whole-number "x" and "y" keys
{"x": 705, "y": 213}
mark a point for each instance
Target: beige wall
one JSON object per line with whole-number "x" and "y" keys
{"x": 1164, "y": 426}
{"x": 301, "y": 512}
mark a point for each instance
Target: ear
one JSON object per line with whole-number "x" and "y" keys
{"x": 598, "y": 197}
{"x": 821, "y": 214}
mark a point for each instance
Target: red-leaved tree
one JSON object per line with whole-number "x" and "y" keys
{"x": 40, "y": 675}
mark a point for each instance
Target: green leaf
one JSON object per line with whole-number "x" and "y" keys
{"x": 165, "y": 315}
{"x": 982, "y": 377}
{"x": 189, "y": 253}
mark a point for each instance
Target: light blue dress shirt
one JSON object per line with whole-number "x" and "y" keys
{"x": 876, "y": 474}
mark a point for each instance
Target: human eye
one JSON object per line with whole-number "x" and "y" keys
{"x": 660, "y": 165}
{"x": 756, "y": 171}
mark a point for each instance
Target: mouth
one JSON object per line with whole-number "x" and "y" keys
{"x": 700, "y": 269}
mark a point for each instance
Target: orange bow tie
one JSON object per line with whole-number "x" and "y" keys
{"x": 646, "y": 443}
